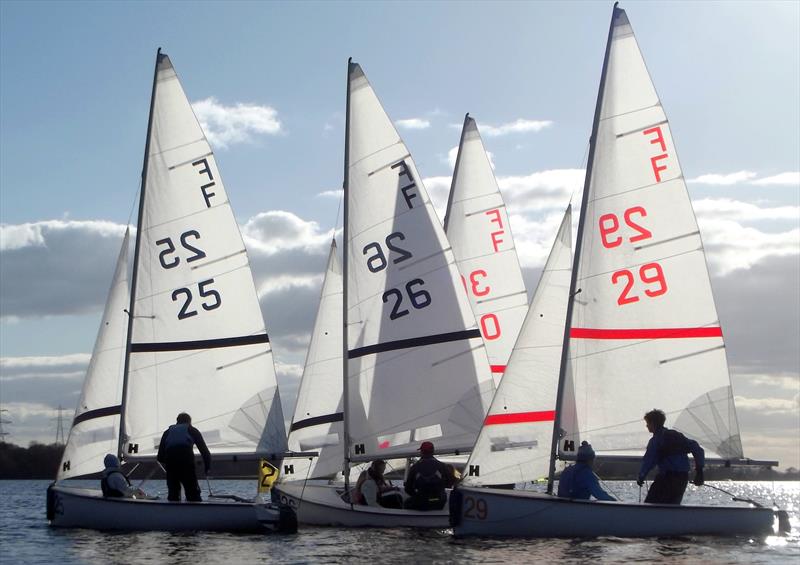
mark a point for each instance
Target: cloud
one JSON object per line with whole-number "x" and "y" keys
{"x": 541, "y": 191}
{"x": 769, "y": 405}
{"x": 518, "y": 126}
{"x": 63, "y": 366}
{"x": 338, "y": 193}
{"x": 277, "y": 230}
{"x": 33, "y": 234}
{"x": 786, "y": 179}
{"x": 227, "y": 125}
{"x": 718, "y": 179}
{"x": 413, "y": 123}
{"x": 726, "y": 208}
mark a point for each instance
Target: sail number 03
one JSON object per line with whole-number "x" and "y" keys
{"x": 475, "y": 508}
{"x": 490, "y": 324}
{"x": 651, "y": 273}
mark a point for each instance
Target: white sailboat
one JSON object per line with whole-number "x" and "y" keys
{"x": 477, "y": 226}
{"x": 642, "y": 328}
{"x": 196, "y": 340}
{"x": 415, "y": 367}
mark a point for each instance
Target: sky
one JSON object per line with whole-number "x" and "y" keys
{"x": 267, "y": 81}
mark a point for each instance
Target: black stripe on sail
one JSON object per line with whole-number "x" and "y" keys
{"x": 413, "y": 342}
{"x": 97, "y": 413}
{"x": 199, "y": 344}
{"x": 317, "y": 420}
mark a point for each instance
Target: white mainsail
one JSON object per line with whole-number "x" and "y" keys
{"x": 95, "y": 429}
{"x": 514, "y": 444}
{"x": 197, "y": 342}
{"x": 417, "y": 368}
{"x": 478, "y": 229}
{"x": 644, "y": 331}
{"x": 317, "y": 422}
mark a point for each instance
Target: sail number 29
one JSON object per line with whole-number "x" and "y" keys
{"x": 475, "y": 508}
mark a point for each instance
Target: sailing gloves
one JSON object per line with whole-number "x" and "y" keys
{"x": 698, "y": 477}
{"x": 640, "y": 481}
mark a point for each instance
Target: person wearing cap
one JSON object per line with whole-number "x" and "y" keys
{"x": 176, "y": 453}
{"x": 427, "y": 480}
{"x": 114, "y": 484}
{"x": 669, "y": 449}
{"x": 579, "y": 481}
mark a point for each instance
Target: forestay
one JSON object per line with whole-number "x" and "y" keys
{"x": 514, "y": 444}
{"x": 198, "y": 342}
{"x": 417, "y": 367}
{"x": 95, "y": 429}
{"x": 478, "y": 229}
{"x": 644, "y": 331}
{"x": 317, "y": 423}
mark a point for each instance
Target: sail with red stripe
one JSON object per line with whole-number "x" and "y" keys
{"x": 514, "y": 444}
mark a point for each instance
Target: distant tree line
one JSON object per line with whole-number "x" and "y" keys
{"x": 37, "y": 461}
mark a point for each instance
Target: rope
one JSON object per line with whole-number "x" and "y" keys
{"x": 734, "y": 497}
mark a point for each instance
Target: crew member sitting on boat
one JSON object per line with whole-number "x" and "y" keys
{"x": 116, "y": 485}
{"x": 427, "y": 480}
{"x": 579, "y": 481}
{"x": 176, "y": 453}
{"x": 668, "y": 450}
{"x": 375, "y": 490}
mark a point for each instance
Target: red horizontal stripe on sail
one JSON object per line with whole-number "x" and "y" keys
{"x": 655, "y": 333}
{"x": 498, "y": 368}
{"x": 520, "y": 417}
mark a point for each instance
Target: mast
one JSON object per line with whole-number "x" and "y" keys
{"x": 121, "y": 444}
{"x": 345, "y": 234}
{"x": 455, "y": 173}
{"x": 576, "y": 258}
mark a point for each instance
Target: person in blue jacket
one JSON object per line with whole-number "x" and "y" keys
{"x": 176, "y": 453}
{"x": 669, "y": 449}
{"x": 579, "y": 481}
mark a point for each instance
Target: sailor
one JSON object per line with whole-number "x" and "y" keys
{"x": 668, "y": 450}
{"x": 427, "y": 480}
{"x": 176, "y": 453}
{"x": 114, "y": 484}
{"x": 579, "y": 481}
{"x": 375, "y": 490}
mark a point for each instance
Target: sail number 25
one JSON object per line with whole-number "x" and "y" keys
{"x": 475, "y": 508}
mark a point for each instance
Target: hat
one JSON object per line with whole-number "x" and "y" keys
{"x": 585, "y": 452}
{"x": 426, "y": 448}
{"x": 111, "y": 461}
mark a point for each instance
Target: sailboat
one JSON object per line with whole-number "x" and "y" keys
{"x": 195, "y": 340}
{"x": 414, "y": 364}
{"x": 477, "y": 226}
{"x": 641, "y": 329}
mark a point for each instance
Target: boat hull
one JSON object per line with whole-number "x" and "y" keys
{"x": 322, "y": 505}
{"x": 493, "y": 512}
{"x": 71, "y": 507}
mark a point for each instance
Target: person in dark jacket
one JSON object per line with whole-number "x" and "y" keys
{"x": 427, "y": 480}
{"x": 579, "y": 481}
{"x": 176, "y": 453}
{"x": 668, "y": 450}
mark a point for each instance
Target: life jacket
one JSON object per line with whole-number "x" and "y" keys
{"x": 112, "y": 492}
{"x": 356, "y": 496}
{"x": 428, "y": 479}
{"x": 673, "y": 442}
{"x": 178, "y": 436}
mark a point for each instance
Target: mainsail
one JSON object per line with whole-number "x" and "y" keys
{"x": 197, "y": 342}
{"x": 514, "y": 444}
{"x": 478, "y": 229}
{"x": 317, "y": 423}
{"x": 416, "y": 365}
{"x": 95, "y": 429}
{"x": 644, "y": 331}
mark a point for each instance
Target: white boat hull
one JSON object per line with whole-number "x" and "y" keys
{"x": 322, "y": 505}
{"x": 72, "y": 507}
{"x": 495, "y": 512}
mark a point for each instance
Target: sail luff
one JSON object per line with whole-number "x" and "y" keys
{"x": 449, "y": 208}
{"x": 345, "y": 251}
{"x": 136, "y": 250}
{"x": 577, "y": 254}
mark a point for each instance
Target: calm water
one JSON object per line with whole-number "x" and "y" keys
{"x": 26, "y": 538}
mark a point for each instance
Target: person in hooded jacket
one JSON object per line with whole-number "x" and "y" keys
{"x": 114, "y": 483}
{"x": 669, "y": 449}
{"x": 176, "y": 453}
{"x": 427, "y": 480}
{"x": 578, "y": 481}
